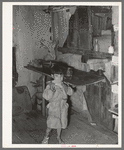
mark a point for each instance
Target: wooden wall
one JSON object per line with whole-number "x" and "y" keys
{"x": 98, "y": 97}
{"x": 100, "y": 23}
{"x": 84, "y": 25}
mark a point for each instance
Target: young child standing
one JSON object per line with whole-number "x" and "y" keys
{"x": 56, "y": 93}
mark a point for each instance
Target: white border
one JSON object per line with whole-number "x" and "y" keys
{"x": 7, "y": 75}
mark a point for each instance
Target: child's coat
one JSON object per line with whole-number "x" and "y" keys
{"x": 58, "y": 106}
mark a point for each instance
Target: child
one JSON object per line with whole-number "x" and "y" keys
{"x": 56, "y": 93}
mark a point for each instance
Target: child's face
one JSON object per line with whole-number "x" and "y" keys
{"x": 58, "y": 77}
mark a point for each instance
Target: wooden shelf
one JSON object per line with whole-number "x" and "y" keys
{"x": 91, "y": 54}
{"x": 114, "y": 111}
{"x": 79, "y": 77}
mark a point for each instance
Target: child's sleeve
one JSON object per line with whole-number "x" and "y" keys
{"x": 48, "y": 93}
{"x": 69, "y": 91}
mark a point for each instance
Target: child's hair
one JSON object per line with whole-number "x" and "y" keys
{"x": 57, "y": 69}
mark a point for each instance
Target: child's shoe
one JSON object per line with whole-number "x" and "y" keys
{"x": 45, "y": 140}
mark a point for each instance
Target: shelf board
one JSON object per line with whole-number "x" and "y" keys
{"x": 79, "y": 77}
{"x": 91, "y": 54}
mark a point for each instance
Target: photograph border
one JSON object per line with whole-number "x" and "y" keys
{"x": 7, "y": 31}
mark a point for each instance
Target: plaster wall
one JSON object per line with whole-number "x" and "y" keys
{"x": 115, "y": 15}
{"x": 30, "y": 27}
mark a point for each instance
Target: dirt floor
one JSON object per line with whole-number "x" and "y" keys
{"x": 29, "y": 128}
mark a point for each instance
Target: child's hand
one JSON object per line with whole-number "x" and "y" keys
{"x": 52, "y": 87}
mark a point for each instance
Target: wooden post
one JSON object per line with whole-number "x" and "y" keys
{"x": 43, "y": 103}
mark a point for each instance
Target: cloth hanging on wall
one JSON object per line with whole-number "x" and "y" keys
{"x": 61, "y": 25}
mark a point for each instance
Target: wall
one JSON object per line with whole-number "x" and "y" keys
{"x": 115, "y": 15}
{"x": 115, "y": 22}
{"x": 78, "y": 99}
{"x": 30, "y": 27}
{"x": 114, "y": 65}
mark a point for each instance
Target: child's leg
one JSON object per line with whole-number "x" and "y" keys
{"x": 46, "y": 138}
{"x": 47, "y": 132}
{"x": 59, "y": 135}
